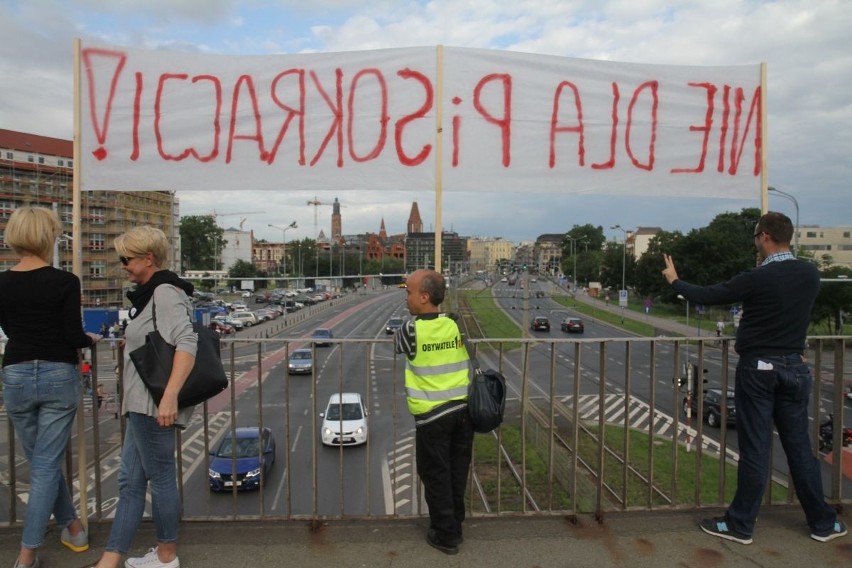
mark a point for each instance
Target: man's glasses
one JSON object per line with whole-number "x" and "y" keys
{"x": 125, "y": 260}
{"x": 760, "y": 233}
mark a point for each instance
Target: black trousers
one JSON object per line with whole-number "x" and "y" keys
{"x": 444, "y": 450}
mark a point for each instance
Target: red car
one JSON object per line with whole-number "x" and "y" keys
{"x": 572, "y": 325}
{"x": 222, "y": 328}
{"x": 540, "y": 323}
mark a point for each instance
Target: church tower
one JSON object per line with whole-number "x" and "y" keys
{"x": 336, "y": 228}
{"x": 415, "y": 223}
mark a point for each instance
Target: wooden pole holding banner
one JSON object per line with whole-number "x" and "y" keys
{"x": 439, "y": 152}
{"x": 764, "y": 172}
{"x": 77, "y": 268}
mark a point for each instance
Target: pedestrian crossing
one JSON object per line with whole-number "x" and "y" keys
{"x": 639, "y": 417}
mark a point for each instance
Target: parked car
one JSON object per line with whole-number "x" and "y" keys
{"x": 236, "y": 324}
{"x": 572, "y": 325}
{"x": 221, "y": 327}
{"x": 301, "y": 362}
{"x": 713, "y": 407}
{"x": 344, "y": 422}
{"x": 248, "y": 318}
{"x": 540, "y": 323}
{"x": 321, "y": 336}
{"x": 255, "y": 453}
{"x": 393, "y": 325}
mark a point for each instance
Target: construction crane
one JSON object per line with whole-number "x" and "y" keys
{"x": 242, "y": 220}
{"x": 316, "y": 203}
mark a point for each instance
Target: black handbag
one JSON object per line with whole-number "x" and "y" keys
{"x": 153, "y": 362}
{"x": 486, "y": 396}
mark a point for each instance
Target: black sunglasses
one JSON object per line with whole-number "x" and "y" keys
{"x": 125, "y": 260}
{"x": 760, "y": 233}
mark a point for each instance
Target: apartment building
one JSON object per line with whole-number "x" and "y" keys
{"x": 39, "y": 171}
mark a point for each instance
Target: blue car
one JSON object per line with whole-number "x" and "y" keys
{"x": 321, "y": 337}
{"x": 255, "y": 453}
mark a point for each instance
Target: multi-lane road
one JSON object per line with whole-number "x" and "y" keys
{"x": 379, "y": 478}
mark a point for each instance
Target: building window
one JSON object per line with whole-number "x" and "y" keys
{"x": 811, "y": 234}
{"x": 61, "y": 162}
{"x": 846, "y": 234}
{"x": 30, "y": 158}
{"x": 97, "y": 241}
{"x": 97, "y": 215}
{"x": 9, "y": 155}
{"x": 70, "y": 163}
{"x": 6, "y": 208}
{"x": 41, "y": 159}
{"x": 66, "y": 213}
{"x": 97, "y": 269}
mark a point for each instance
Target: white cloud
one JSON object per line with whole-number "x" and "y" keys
{"x": 803, "y": 42}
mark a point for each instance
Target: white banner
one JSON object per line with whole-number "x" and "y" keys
{"x": 154, "y": 120}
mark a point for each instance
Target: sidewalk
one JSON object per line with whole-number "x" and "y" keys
{"x": 628, "y": 540}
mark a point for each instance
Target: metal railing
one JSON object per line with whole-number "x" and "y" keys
{"x": 592, "y": 426}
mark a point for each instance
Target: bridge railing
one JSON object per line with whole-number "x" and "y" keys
{"x": 592, "y": 426}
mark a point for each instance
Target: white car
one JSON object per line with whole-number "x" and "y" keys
{"x": 344, "y": 422}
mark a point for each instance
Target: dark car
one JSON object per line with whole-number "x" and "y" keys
{"x": 393, "y": 325}
{"x": 540, "y": 323}
{"x": 713, "y": 407}
{"x": 321, "y": 336}
{"x": 254, "y": 452}
{"x": 572, "y": 325}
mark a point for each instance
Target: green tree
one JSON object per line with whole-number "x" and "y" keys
{"x": 243, "y": 269}
{"x": 202, "y": 241}
{"x": 647, "y": 278}
{"x": 833, "y": 300}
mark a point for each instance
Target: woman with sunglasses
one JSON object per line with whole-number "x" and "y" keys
{"x": 40, "y": 312}
{"x": 147, "y": 456}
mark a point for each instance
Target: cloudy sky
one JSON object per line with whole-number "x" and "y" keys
{"x": 803, "y": 42}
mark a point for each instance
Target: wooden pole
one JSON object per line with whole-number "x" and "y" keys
{"x": 439, "y": 154}
{"x": 77, "y": 268}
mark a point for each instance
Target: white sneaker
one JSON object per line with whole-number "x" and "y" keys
{"x": 151, "y": 560}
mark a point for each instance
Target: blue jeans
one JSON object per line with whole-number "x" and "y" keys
{"x": 148, "y": 454}
{"x": 41, "y": 399}
{"x": 778, "y": 395}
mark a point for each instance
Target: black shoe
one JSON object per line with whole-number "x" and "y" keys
{"x": 718, "y": 526}
{"x": 434, "y": 542}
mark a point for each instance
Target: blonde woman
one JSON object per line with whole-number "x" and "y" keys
{"x": 40, "y": 312}
{"x": 148, "y": 454}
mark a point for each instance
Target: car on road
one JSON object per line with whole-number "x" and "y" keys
{"x": 393, "y": 325}
{"x": 713, "y": 407}
{"x": 321, "y": 336}
{"x": 254, "y": 451}
{"x": 572, "y": 325}
{"x": 300, "y": 362}
{"x": 344, "y": 422}
{"x": 540, "y": 323}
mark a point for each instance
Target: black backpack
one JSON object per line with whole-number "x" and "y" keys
{"x": 486, "y": 396}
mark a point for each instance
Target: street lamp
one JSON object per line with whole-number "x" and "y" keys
{"x": 574, "y": 257}
{"x": 283, "y": 230}
{"x": 796, "y": 203}
{"x": 623, "y": 267}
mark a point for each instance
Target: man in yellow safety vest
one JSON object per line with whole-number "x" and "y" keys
{"x": 437, "y": 374}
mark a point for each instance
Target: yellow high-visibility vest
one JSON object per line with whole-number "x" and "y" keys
{"x": 439, "y": 372}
